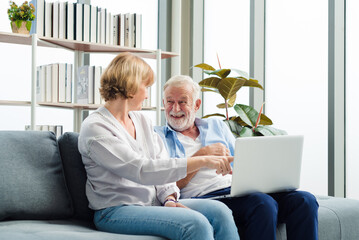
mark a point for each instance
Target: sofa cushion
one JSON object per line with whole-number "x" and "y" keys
{"x": 32, "y": 183}
{"x": 75, "y": 174}
{"x": 60, "y": 230}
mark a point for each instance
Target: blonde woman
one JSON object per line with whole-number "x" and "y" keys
{"x": 131, "y": 179}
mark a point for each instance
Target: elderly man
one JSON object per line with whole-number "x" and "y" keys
{"x": 257, "y": 214}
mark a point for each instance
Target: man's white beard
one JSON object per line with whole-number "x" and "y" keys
{"x": 181, "y": 124}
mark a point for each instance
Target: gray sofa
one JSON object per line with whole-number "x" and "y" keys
{"x": 42, "y": 194}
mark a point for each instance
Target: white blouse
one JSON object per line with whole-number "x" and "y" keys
{"x": 122, "y": 170}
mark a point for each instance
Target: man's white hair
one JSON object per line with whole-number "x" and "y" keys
{"x": 180, "y": 80}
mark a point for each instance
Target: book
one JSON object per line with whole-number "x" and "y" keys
{"x": 98, "y": 30}
{"x": 55, "y": 19}
{"x": 40, "y": 84}
{"x": 62, "y": 82}
{"x": 56, "y": 129}
{"x": 132, "y": 30}
{"x": 37, "y": 25}
{"x": 93, "y": 24}
{"x": 62, "y": 19}
{"x": 115, "y": 29}
{"x": 70, "y": 16}
{"x": 68, "y": 83}
{"x": 147, "y": 102}
{"x": 85, "y": 84}
{"x": 78, "y": 11}
{"x": 109, "y": 28}
{"x": 127, "y": 36}
{"x": 48, "y": 82}
{"x": 97, "y": 84}
{"x": 138, "y": 30}
{"x": 55, "y": 82}
{"x": 38, "y": 96}
{"x": 122, "y": 30}
{"x": 86, "y": 22}
{"x": 48, "y": 19}
{"x": 103, "y": 25}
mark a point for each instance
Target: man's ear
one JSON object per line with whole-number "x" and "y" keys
{"x": 197, "y": 104}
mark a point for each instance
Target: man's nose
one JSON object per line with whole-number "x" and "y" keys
{"x": 176, "y": 107}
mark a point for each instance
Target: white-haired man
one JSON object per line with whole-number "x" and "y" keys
{"x": 257, "y": 214}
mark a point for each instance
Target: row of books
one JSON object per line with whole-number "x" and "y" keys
{"x": 88, "y": 84}
{"x": 84, "y": 22}
{"x": 54, "y": 83}
{"x": 57, "y": 129}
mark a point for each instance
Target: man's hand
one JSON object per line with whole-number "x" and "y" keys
{"x": 215, "y": 149}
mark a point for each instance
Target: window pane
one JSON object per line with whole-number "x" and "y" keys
{"x": 352, "y": 86}
{"x": 297, "y": 80}
{"x": 226, "y": 33}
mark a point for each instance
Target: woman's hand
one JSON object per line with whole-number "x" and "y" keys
{"x": 220, "y": 163}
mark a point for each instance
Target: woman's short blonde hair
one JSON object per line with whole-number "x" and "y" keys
{"x": 124, "y": 75}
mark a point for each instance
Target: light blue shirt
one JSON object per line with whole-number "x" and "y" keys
{"x": 212, "y": 130}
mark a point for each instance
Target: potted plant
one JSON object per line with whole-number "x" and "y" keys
{"x": 249, "y": 121}
{"x": 21, "y": 17}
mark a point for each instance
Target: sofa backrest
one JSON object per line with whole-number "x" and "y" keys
{"x": 75, "y": 175}
{"x": 32, "y": 183}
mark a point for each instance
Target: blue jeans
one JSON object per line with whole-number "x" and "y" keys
{"x": 258, "y": 214}
{"x": 206, "y": 219}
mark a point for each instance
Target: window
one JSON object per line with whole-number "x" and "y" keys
{"x": 296, "y": 81}
{"x": 352, "y": 86}
{"x": 226, "y": 33}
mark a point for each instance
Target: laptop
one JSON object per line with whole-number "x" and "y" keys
{"x": 266, "y": 164}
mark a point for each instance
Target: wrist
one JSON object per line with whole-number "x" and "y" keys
{"x": 169, "y": 200}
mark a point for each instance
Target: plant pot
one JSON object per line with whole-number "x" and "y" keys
{"x": 21, "y": 26}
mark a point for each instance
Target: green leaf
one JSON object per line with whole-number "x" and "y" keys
{"x": 210, "y": 82}
{"x": 269, "y": 131}
{"x": 248, "y": 114}
{"x": 214, "y": 115}
{"x": 247, "y": 132}
{"x": 205, "y": 66}
{"x": 229, "y": 86}
{"x": 18, "y": 23}
{"x": 265, "y": 120}
{"x": 234, "y": 127}
{"x": 241, "y": 73}
{"x": 209, "y": 90}
{"x": 222, "y": 73}
{"x": 252, "y": 83}
{"x": 230, "y": 102}
{"x": 28, "y": 25}
{"x": 239, "y": 121}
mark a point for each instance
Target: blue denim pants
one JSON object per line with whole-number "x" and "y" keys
{"x": 258, "y": 214}
{"x": 206, "y": 219}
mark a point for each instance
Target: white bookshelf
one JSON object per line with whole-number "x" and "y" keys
{"x": 78, "y": 48}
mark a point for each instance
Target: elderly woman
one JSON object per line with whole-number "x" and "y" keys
{"x": 131, "y": 179}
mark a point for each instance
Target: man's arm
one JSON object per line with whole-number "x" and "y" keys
{"x": 184, "y": 181}
{"x": 216, "y": 149}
